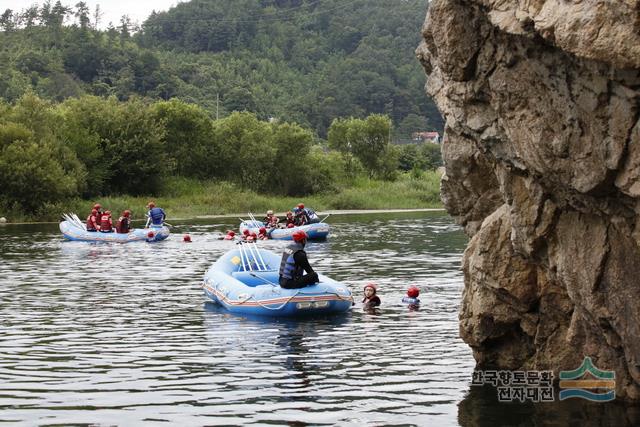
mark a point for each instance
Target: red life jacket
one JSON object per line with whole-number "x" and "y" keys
{"x": 122, "y": 226}
{"x": 105, "y": 223}
{"x": 92, "y": 223}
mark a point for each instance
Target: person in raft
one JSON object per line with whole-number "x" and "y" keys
{"x": 294, "y": 263}
{"x": 93, "y": 221}
{"x": 371, "y": 298}
{"x": 262, "y": 234}
{"x": 412, "y": 296}
{"x": 156, "y": 215}
{"x": 231, "y": 235}
{"x": 290, "y": 220}
{"x": 106, "y": 225}
{"x": 124, "y": 222}
{"x": 271, "y": 221}
{"x": 98, "y": 208}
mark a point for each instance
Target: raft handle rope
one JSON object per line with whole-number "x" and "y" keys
{"x": 267, "y": 305}
{"x": 348, "y": 298}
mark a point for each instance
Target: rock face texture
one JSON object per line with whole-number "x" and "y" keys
{"x": 542, "y": 155}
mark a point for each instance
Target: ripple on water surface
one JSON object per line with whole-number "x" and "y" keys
{"x": 121, "y": 334}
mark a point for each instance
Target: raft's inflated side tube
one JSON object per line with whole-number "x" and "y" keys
{"x": 151, "y": 234}
{"x": 317, "y": 231}
{"x": 245, "y": 281}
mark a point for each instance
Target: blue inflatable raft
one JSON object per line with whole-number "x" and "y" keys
{"x": 245, "y": 281}
{"x": 317, "y": 231}
{"x": 73, "y": 229}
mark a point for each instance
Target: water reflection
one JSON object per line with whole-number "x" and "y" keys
{"x": 480, "y": 408}
{"x": 120, "y": 334}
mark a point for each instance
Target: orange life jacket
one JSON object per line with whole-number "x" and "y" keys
{"x": 105, "y": 223}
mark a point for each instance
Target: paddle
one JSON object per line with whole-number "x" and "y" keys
{"x": 263, "y": 279}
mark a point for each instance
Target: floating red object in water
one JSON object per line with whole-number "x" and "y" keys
{"x": 186, "y": 238}
{"x": 151, "y": 235}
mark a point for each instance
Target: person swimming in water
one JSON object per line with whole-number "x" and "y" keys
{"x": 371, "y": 298}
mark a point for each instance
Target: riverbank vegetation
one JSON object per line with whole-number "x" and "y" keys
{"x": 187, "y": 198}
{"x": 256, "y": 116}
{"x": 90, "y": 148}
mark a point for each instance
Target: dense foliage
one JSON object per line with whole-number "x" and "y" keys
{"x": 302, "y": 61}
{"x": 89, "y": 113}
{"x": 93, "y": 146}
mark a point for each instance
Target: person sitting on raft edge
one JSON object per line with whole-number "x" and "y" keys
{"x": 294, "y": 263}
{"x": 156, "y": 215}
{"x": 93, "y": 219}
{"x": 371, "y": 298}
{"x": 124, "y": 222}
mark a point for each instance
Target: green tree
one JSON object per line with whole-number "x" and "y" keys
{"x": 290, "y": 173}
{"x": 32, "y": 176}
{"x": 131, "y": 141}
{"x": 190, "y": 141}
{"x": 367, "y": 140}
{"x": 247, "y": 149}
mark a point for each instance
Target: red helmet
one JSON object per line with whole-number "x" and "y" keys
{"x": 300, "y": 205}
{"x": 151, "y": 205}
{"x": 97, "y": 206}
{"x": 246, "y": 232}
{"x": 290, "y": 226}
{"x": 231, "y": 233}
{"x": 413, "y": 292}
{"x": 186, "y": 238}
{"x": 254, "y": 235}
{"x": 299, "y": 236}
{"x": 94, "y": 212}
{"x": 262, "y": 230}
{"x": 372, "y": 286}
{"x": 126, "y": 213}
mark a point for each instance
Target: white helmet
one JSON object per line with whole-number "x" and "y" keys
{"x": 269, "y": 212}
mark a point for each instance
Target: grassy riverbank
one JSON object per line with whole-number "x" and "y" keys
{"x": 184, "y": 198}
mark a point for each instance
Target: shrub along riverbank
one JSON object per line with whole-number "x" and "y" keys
{"x": 188, "y": 198}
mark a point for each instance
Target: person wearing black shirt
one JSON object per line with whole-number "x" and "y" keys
{"x": 295, "y": 263}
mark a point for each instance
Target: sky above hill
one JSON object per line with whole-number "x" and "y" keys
{"x": 112, "y": 10}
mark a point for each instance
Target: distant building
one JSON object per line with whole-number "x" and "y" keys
{"x": 432, "y": 137}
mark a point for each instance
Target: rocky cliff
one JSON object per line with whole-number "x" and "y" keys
{"x": 542, "y": 155}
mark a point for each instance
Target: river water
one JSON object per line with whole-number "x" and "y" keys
{"x": 121, "y": 334}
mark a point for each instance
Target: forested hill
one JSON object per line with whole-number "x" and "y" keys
{"x": 305, "y": 61}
